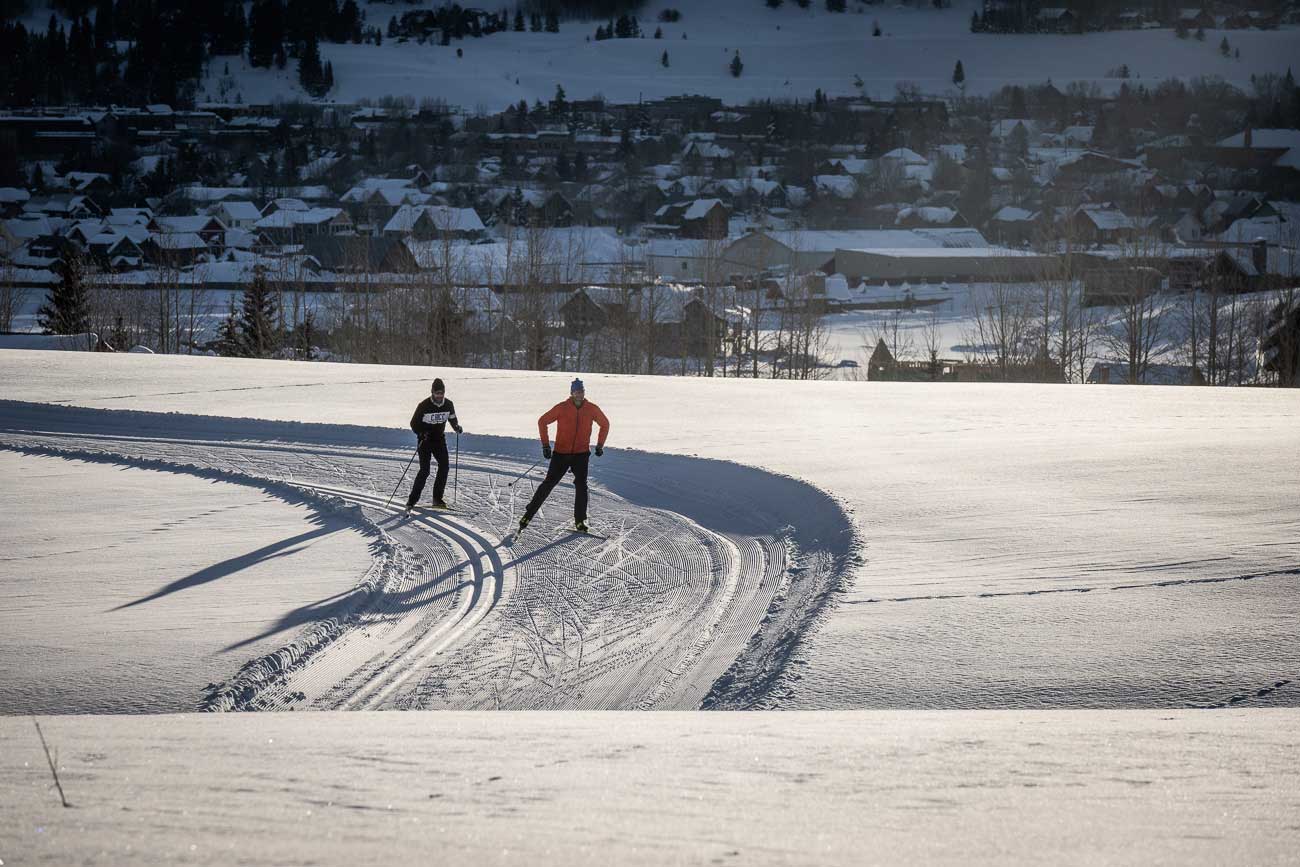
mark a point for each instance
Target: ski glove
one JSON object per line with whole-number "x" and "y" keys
{"x": 600, "y": 450}
{"x": 546, "y": 452}
{"x": 458, "y": 428}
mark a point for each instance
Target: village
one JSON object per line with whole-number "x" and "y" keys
{"x": 680, "y": 235}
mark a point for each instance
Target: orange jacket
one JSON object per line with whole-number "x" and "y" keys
{"x": 573, "y": 426}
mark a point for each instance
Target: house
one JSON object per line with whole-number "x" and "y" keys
{"x": 520, "y": 207}
{"x": 236, "y": 214}
{"x": 12, "y": 200}
{"x": 1101, "y": 225}
{"x": 1055, "y": 19}
{"x": 360, "y": 254}
{"x": 175, "y": 249}
{"x": 425, "y": 222}
{"x": 290, "y": 227}
{"x": 940, "y": 265}
{"x": 207, "y": 227}
{"x": 806, "y": 250}
{"x": 1193, "y": 18}
{"x": 1280, "y": 345}
{"x": 67, "y": 205}
{"x": 928, "y": 215}
{"x": 702, "y": 218}
{"x": 1012, "y": 225}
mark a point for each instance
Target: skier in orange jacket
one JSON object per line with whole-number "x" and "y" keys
{"x": 573, "y": 419}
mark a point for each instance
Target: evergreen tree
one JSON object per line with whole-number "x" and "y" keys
{"x": 257, "y": 331}
{"x": 959, "y": 76}
{"x": 552, "y": 22}
{"x": 559, "y": 105}
{"x": 68, "y": 309}
{"x": 835, "y": 5}
{"x": 875, "y": 28}
{"x": 664, "y": 59}
{"x": 229, "y": 342}
{"x": 310, "y": 74}
{"x": 38, "y": 179}
{"x": 1224, "y": 48}
{"x": 774, "y": 4}
{"x": 563, "y": 170}
{"x": 736, "y": 65}
{"x": 580, "y": 167}
{"x": 1200, "y": 34}
{"x": 519, "y": 21}
{"x": 392, "y": 27}
{"x": 659, "y": 33}
{"x": 804, "y": 4}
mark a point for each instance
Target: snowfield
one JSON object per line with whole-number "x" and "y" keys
{"x": 1032, "y": 552}
{"x": 1054, "y": 546}
{"x": 788, "y": 53}
{"x": 877, "y": 787}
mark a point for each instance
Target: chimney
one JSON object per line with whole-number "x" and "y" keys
{"x": 1248, "y": 137}
{"x": 1259, "y": 256}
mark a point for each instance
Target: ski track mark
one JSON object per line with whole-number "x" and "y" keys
{"x": 650, "y": 616}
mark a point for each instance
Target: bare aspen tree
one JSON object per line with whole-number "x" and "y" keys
{"x": 12, "y": 296}
{"x": 1000, "y": 317}
{"x": 1137, "y": 333}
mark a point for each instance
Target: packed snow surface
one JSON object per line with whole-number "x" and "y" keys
{"x": 126, "y": 589}
{"x": 999, "y": 787}
{"x": 895, "y": 545}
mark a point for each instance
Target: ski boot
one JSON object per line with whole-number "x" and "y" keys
{"x": 523, "y": 523}
{"x": 580, "y": 527}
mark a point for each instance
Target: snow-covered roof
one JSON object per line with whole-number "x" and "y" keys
{"x": 840, "y": 186}
{"x": 179, "y": 241}
{"x": 287, "y": 219}
{"x": 444, "y": 218}
{"x": 1264, "y": 138}
{"x": 948, "y": 252}
{"x": 1109, "y": 219}
{"x": 188, "y": 224}
{"x": 700, "y": 208}
{"x": 240, "y": 210}
{"x": 13, "y": 196}
{"x": 907, "y": 156}
{"x": 927, "y": 214}
{"x": 1011, "y": 214}
{"x": 828, "y": 241}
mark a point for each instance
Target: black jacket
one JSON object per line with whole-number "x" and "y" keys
{"x": 431, "y": 419}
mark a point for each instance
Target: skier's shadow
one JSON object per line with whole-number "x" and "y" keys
{"x": 275, "y": 550}
{"x": 348, "y": 603}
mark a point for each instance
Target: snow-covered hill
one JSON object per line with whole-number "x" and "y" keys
{"x": 1018, "y": 546}
{"x": 787, "y": 53}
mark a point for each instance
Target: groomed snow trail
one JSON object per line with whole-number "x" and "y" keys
{"x": 664, "y": 610}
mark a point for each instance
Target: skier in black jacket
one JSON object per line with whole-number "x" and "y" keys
{"x": 428, "y": 422}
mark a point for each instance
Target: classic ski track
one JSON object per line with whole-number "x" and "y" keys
{"x": 399, "y": 668}
{"x": 650, "y": 616}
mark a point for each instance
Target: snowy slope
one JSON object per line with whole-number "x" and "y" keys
{"x": 1023, "y": 545}
{"x": 787, "y": 54}
{"x": 669, "y": 788}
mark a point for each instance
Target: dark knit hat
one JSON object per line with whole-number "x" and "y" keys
{"x": 438, "y": 386}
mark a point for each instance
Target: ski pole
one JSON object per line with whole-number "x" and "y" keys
{"x": 403, "y": 478}
{"x": 524, "y": 473}
{"x": 455, "y": 484}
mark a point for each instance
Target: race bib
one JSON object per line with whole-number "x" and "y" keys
{"x": 436, "y": 417}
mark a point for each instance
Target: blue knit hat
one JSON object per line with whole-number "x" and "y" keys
{"x": 576, "y": 385}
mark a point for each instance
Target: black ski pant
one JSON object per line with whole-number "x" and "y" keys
{"x": 561, "y": 464}
{"x": 432, "y": 445}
